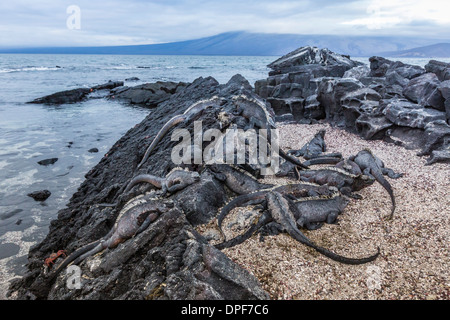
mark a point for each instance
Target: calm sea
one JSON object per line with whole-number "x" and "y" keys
{"x": 30, "y": 133}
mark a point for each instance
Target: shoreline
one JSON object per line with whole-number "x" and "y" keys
{"x": 83, "y": 221}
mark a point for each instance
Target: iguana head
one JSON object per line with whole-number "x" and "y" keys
{"x": 362, "y": 181}
{"x": 179, "y": 175}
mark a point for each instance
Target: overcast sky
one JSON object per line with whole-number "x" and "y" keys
{"x": 28, "y": 23}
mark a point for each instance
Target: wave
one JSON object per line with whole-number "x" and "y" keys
{"x": 31, "y": 68}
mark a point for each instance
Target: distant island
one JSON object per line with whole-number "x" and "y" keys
{"x": 267, "y": 44}
{"x": 440, "y": 50}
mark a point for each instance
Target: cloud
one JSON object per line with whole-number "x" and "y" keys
{"x": 118, "y": 22}
{"x": 399, "y": 14}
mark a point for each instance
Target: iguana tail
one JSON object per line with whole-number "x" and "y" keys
{"x": 169, "y": 125}
{"x": 154, "y": 180}
{"x": 291, "y": 159}
{"x": 265, "y": 218}
{"x": 386, "y": 185}
{"x": 300, "y": 237}
{"x": 322, "y": 160}
{"x": 73, "y": 256}
{"x": 236, "y": 202}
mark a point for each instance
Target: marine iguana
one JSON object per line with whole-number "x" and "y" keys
{"x": 237, "y": 180}
{"x": 193, "y": 111}
{"x": 349, "y": 166}
{"x": 176, "y": 180}
{"x": 131, "y": 221}
{"x": 258, "y": 114}
{"x": 255, "y": 111}
{"x": 322, "y": 160}
{"x": 315, "y": 148}
{"x": 296, "y": 189}
{"x": 281, "y": 212}
{"x": 372, "y": 166}
{"x": 346, "y": 182}
{"x": 311, "y": 213}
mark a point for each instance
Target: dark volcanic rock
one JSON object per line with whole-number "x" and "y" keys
{"x": 407, "y": 114}
{"x": 372, "y": 126}
{"x": 312, "y": 56}
{"x": 132, "y": 79}
{"x": 169, "y": 260}
{"x": 389, "y": 100}
{"x": 379, "y": 67}
{"x": 40, "y": 195}
{"x": 149, "y": 94}
{"x": 330, "y": 93}
{"x": 424, "y": 90}
{"x": 108, "y": 86}
{"x": 63, "y": 97}
{"x": 75, "y": 95}
{"x": 444, "y": 89}
{"x": 47, "y": 162}
{"x": 441, "y": 69}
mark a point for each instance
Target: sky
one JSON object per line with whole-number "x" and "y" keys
{"x": 31, "y": 23}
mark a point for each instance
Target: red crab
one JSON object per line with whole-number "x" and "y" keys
{"x": 51, "y": 260}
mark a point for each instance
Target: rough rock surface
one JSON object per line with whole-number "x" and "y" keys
{"x": 169, "y": 260}
{"x": 149, "y": 94}
{"x": 75, "y": 95}
{"x": 40, "y": 195}
{"x": 385, "y": 100}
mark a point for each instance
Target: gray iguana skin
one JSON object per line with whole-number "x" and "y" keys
{"x": 255, "y": 110}
{"x": 129, "y": 223}
{"x": 374, "y": 167}
{"x": 311, "y": 213}
{"x": 258, "y": 197}
{"x": 347, "y": 183}
{"x": 261, "y": 117}
{"x": 237, "y": 180}
{"x": 315, "y": 148}
{"x": 349, "y": 166}
{"x": 281, "y": 212}
{"x": 323, "y": 160}
{"x": 192, "y": 112}
{"x": 175, "y": 180}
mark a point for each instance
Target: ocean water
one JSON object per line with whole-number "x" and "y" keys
{"x": 30, "y": 133}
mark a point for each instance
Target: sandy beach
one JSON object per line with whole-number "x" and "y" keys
{"x": 414, "y": 261}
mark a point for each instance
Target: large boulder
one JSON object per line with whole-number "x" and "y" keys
{"x": 407, "y": 114}
{"x": 64, "y": 97}
{"x": 424, "y": 91}
{"x": 441, "y": 69}
{"x": 358, "y": 102}
{"x": 380, "y": 66}
{"x": 444, "y": 89}
{"x": 75, "y": 95}
{"x": 372, "y": 126}
{"x": 304, "y": 56}
{"x": 149, "y": 94}
{"x": 329, "y": 94}
{"x": 357, "y": 72}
